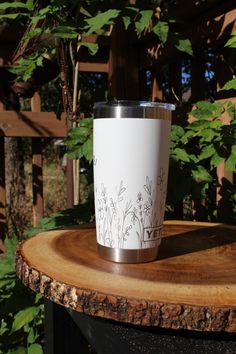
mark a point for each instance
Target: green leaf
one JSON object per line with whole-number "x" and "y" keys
{"x": 201, "y": 114}
{"x": 126, "y": 21}
{"x": 97, "y": 22}
{"x": 88, "y": 149}
{"x": 39, "y": 61}
{"x": 207, "y": 152}
{"x": 18, "y": 350}
{"x": 30, "y": 4}
{"x": 92, "y": 47}
{"x": 230, "y": 163}
{"x": 38, "y": 298}
{"x": 231, "y": 111}
{"x": 207, "y": 135}
{"x": 79, "y": 140}
{"x": 161, "y": 29}
{"x": 188, "y": 136}
{"x": 16, "y": 4}
{"x": 87, "y": 122}
{"x": 4, "y": 282}
{"x": 35, "y": 349}
{"x": 83, "y": 11}
{"x": 44, "y": 12}
{"x": 200, "y": 174}
{"x": 134, "y": 9}
{"x": 232, "y": 41}
{"x": 143, "y": 21}
{"x": 216, "y": 160}
{"x": 176, "y": 132}
{"x": 181, "y": 154}
{"x": 3, "y": 327}
{"x": 66, "y": 32}
{"x": 31, "y": 336}
{"x": 26, "y": 66}
{"x": 182, "y": 44}
{"x": 205, "y": 105}
{"x": 33, "y": 33}
{"x": 23, "y": 317}
{"x": 7, "y": 262}
{"x": 193, "y": 158}
{"x": 230, "y": 85}
{"x": 13, "y": 16}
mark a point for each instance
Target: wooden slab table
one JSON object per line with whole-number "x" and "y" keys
{"x": 190, "y": 287}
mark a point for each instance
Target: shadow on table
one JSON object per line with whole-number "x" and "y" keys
{"x": 197, "y": 240}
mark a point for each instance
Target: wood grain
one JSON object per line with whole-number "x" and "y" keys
{"x": 192, "y": 285}
{"x": 32, "y": 124}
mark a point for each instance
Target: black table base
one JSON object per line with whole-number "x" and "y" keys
{"x": 70, "y": 332}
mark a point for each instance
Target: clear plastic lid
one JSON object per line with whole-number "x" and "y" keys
{"x": 133, "y": 109}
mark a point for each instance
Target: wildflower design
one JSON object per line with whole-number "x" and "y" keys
{"x": 122, "y": 222}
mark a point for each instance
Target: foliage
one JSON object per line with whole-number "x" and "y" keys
{"x": 21, "y": 311}
{"x": 196, "y": 149}
{"x": 230, "y": 85}
{"x": 217, "y": 140}
{"x": 79, "y": 214}
{"x": 27, "y": 66}
{"x": 72, "y": 21}
{"x": 231, "y": 43}
{"x": 80, "y": 140}
{"x": 200, "y": 147}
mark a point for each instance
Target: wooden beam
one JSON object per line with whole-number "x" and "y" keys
{"x": 93, "y": 67}
{"x": 37, "y": 168}
{"x": 32, "y": 124}
{"x": 103, "y": 40}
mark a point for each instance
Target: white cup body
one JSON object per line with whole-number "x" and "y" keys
{"x": 131, "y": 157}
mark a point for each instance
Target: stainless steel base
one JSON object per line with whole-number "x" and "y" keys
{"x": 119, "y": 255}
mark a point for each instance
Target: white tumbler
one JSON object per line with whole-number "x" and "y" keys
{"x": 131, "y": 158}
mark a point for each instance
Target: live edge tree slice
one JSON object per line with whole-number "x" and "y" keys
{"x": 192, "y": 284}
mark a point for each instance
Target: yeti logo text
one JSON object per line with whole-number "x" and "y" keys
{"x": 152, "y": 233}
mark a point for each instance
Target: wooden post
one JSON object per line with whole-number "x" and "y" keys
{"x": 157, "y": 92}
{"x": 198, "y": 93}
{"x": 175, "y": 81}
{"x": 69, "y": 177}
{"x": 123, "y": 72}
{"x": 224, "y": 185}
{"x": 37, "y": 168}
{"x": 198, "y": 75}
{"x": 176, "y": 97}
{"x": 224, "y": 70}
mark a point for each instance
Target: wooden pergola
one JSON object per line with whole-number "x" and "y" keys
{"x": 125, "y": 60}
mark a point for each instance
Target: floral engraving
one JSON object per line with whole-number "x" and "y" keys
{"x": 120, "y": 220}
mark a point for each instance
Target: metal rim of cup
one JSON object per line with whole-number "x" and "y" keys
{"x": 133, "y": 109}
{"x": 119, "y": 255}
